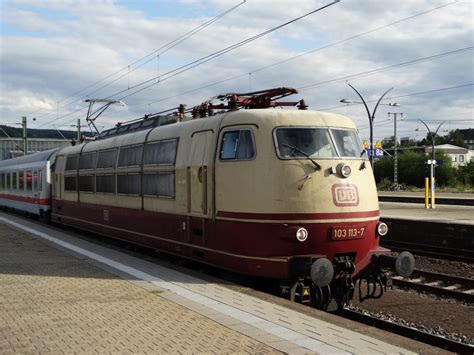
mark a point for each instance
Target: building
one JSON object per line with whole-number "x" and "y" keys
{"x": 459, "y": 156}
{"x": 12, "y": 147}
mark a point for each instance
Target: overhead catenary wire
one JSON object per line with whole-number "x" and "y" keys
{"x": 400, "y": 96}
{"x": 146, "y": 59}
{"x": 157, "y": 79}
{"x": 154, "y": 80}
{"x": 306, "y": 53}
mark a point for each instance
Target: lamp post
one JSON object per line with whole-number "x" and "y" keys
{"x": 395, "y": 157}
{"x": 432, "y": 162}
{"x": 371, "y": 117}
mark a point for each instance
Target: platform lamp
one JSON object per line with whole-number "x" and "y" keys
{"x": 370, "y": 115}
{"x": 432, "y": 162}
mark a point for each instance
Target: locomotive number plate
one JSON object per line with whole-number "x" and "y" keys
{"x": 343, "y": 233}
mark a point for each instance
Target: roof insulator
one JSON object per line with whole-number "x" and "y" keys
{"x": 302, "y": 105}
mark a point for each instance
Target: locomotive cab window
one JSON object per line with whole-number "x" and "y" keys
{"x": 237, "y": 145}
{"x": 347, "y": 142}
{"x": 299, "y": 143}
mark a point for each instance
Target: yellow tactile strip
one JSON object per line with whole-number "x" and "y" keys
{"x": 53, "y": 302}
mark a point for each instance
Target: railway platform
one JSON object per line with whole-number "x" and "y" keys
{"x": 60, "y": 293}
{"x": 459, "y": 214}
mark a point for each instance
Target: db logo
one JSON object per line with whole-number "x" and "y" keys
{"x": 345, "y": 195}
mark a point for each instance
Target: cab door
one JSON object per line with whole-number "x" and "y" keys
{"x": 198, "y": 173}
{"x": 199, "y": 186}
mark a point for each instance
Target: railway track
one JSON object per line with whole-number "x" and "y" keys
{"x": 447, "y": 286}
{"x": 409, "y": 332}
{"x": 432, "y": 250}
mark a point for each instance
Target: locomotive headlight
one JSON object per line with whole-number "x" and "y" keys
{"x": 301, "y": 234}
{"x": 382, "y": 229}
{"x": 344, "y": 170}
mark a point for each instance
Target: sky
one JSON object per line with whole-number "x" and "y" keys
{"x": 56, "y": 54}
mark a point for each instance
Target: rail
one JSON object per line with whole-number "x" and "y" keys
{"x": 409, "y": 332}
{"x": 455, "y": 287}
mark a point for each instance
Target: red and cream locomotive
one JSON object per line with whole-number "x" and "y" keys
{"x": 275, "y": 193}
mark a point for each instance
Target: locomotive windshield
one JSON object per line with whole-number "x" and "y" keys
{"x": 317, "y": 143}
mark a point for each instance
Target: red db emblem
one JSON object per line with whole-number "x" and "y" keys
{"x": 345, "y": 195}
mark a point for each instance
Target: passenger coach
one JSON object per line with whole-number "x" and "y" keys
{"x": 25, "y": 183}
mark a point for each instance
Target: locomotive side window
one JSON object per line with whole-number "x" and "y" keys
{"x": 237, "y": 145}
{"x": 347, "y": 142}
{"x": 107, "y": 158}
{"x": 160, "y": 184}
{"x": 87, "y": 161}
{"x": 302, "y": 142}
{"x": 105, "y": 183}
{"x": 70, "y": 183}
{"x": 128, "y": 184}
{"x": 130, "y": 156}
{"x": 71, "y": 162}
{"x": 86, "y": 183}
{"x": 160, "y": 153}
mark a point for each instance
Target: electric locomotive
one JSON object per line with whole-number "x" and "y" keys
{"x": 241, "y": 185}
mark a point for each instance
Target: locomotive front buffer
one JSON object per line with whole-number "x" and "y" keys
{"x": 330, "y": 285}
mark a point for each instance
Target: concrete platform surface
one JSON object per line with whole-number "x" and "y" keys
{"x": 441, "y": 213}
{"x": 88, "y": 298}
{"x": 421, "y": 194}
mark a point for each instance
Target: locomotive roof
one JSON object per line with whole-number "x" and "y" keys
{"x": 31, "y": 158}
{"x": 268, "y": 118}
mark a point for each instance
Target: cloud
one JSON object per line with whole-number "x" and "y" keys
{"x": 52, "y": 53}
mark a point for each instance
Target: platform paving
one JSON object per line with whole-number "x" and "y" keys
{"x": 55, "y": 302}
{"x": 441, "y": 213}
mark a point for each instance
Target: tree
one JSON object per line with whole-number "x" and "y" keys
{"x": 466, "y": 174}
{"x": 412, "y": 169}
{"x": 455, "y": 137}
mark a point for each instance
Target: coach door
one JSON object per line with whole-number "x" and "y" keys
{"x": 58, "y": 178}
{"x": 198, "y": 173}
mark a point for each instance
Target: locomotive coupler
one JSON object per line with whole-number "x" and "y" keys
{"x": 299, "y": 291}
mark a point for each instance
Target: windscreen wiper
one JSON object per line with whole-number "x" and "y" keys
{"x": 294, "y": 149}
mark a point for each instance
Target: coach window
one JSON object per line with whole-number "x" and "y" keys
{"x": 40, "y": 180}
{"x": 21, "y": 180}
{"x": 107, "y": 158}
{"x": 160, "y": 153}
{"x": 159, "y": 184}
{"x": 128, "y": 184}
{"x": 8, "y": 182}
{"x": 71, "y": 162}
{"x": 130, "y": 156}
{"x": 29, "y": 180}
{"x": 237, "y": 145}
{"x": 2, "y": 177}
{"x": 14, "y": 181}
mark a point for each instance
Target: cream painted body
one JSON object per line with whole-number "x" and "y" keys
{"x": 205, "y": 185}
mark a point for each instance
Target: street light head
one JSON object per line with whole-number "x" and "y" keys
{"x": 396, "y": 104}
{"x": 345, "y": 101}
